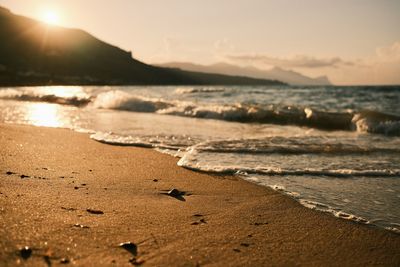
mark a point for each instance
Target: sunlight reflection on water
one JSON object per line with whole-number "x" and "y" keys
{"x": 44, "y": 115}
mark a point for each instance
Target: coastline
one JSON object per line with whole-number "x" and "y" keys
{"x": 224, "y": 221}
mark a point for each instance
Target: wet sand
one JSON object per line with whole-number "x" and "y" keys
{"x": 72, "y": 200}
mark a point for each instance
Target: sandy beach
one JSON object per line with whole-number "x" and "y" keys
{"x": 73, "y": 201}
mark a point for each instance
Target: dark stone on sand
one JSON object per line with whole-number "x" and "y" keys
{"x": 62, "y": 177}
{"x": 24, "y": 176}
{"x": 83, "y": 184}
{"x": 65, "y": 261}
{"x": 25, "y": 252}
{"x": 136, "y": 262}
{"x": 175, "y": 193}
{"x": 199, "y": 222}
{"x": 130, "y": 247}
{"x": 92, "y": 211}
{"x": 244, "y": 245}
{"x": 155, "y": 180}
{"x": 76, "y": 187}
{"x": 236, "y": 250}
{"x": 10, "y": 173}
{"x": 197, "y": 215}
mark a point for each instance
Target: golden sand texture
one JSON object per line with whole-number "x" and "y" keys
{"x": 79, "y": 199}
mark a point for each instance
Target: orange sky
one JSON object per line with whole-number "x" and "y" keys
{"x": 351, "y": 41}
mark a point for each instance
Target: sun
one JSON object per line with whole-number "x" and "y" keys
{"x": 51, "y": 17}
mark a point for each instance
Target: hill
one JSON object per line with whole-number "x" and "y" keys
{"x": 33, "y": 53}
{"x": 286, "y": 76}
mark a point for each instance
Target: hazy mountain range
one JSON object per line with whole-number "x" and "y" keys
{"x": 286, "y": 76}
{"x": 33, "y": 53}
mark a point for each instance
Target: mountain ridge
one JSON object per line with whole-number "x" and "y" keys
{"x": 33, "y": 53}
{"x": 276, "y": 73}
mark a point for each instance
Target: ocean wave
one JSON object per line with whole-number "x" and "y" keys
{"x": 182, "y": 91}
{"x": 120, "y": 100}
{"x": 364, "y": 121}
{"x": 32, "y": 96}
{"x": 205, "y": 156}
{"x": 338, "y": 173}
{"x": 376, "y": 122}
{"x": 168, "y": 142}
{"x": 295, "y": 145}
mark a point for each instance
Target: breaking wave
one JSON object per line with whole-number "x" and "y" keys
{"x": 363, "y": 121}
{"x": 46, "y": 96}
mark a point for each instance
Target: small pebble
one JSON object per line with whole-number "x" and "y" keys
{"x": 64, "y": 261}
{"x": 80, "y": 225}
{"x": 25, "y": 252}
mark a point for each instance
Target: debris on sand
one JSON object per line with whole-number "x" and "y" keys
{"x": 25, "y": 252}
{"x": 136, "y": 262}
{"x": 199, "y": 222}
{"x": 130, "y": 247}
{"x": 80, "y": 225}
{"x": 65, "y": 261}
{"x": 175, "y": 193}
{"x": 93, "y": 211}
{"x": 24, "y": 176}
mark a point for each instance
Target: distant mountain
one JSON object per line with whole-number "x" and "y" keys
{"x": 33, "y": 53}
{"x": 287, "y": 76}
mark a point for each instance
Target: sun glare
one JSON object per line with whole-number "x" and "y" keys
{"x": 51, "y": 17}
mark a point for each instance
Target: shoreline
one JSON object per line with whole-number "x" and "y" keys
{"x": 222, "y": 220}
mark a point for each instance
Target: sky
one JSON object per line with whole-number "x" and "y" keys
{"x": 350, "y": 41}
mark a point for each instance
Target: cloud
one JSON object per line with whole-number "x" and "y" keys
{"x": 389, "y": 53}
{"x": 299, "y": 61}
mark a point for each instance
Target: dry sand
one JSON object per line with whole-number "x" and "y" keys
{"x": 237, "y": 223}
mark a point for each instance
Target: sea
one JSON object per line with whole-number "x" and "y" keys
{"x": 335, "y": 149}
